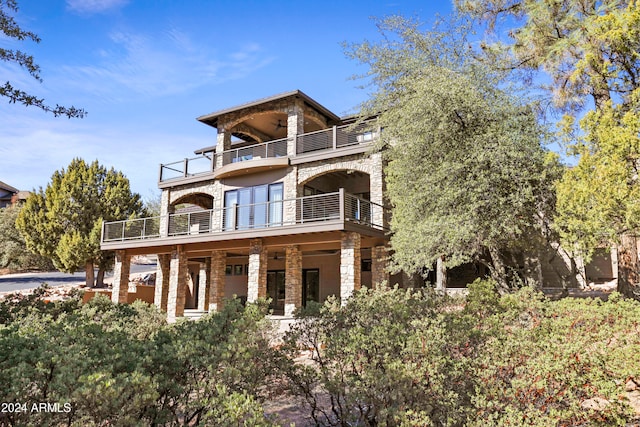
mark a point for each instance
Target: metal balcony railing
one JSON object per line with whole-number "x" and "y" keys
{"x": 327, "y": 139}
{"x": 298, "y": 211}
{"x": 277, "y": 148}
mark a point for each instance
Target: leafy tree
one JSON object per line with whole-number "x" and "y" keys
{"x": 465, "y": 161}
{"x": 13, "y": 249}
{"x": 11, "y": 29}
{"x": 591, "y": 50}
{"x": 63, "y": 222}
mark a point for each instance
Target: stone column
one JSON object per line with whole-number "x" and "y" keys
{"x": 379, "y": 264}
{"x": 121, "y": 268}
{"x": 581, "y": 274}
{"x": 292, "y": 280}
{"x": 614, "y": 262}
{"x": 350, "y": 259}
{"x": 165, "y": 210}
{"x": 162, "y": 281}
{"x": 295, "y": 125}
{"x": 203, "y": 285}
{"x": 217, "y": 280}
{"x": 223, "y": 143}
{"x": 441, "y": 276}
{"x": 257, "y": 280}
{"x": 178, "y": 277}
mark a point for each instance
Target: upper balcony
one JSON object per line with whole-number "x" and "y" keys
{"x": 336, "y": 211}
{"x": 336, "y": 141}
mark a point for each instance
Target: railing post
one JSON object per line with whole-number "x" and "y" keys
{"x": 358, "y": 214}
{"x": 213, "y": 162}
{"x": 123, "y": 228}
{"x": 160, "y": 173}
{"x": 186, "y": 166}
{"x": 144, "y": 228}
{"x": 335, "y": 137}
{"x": 104, "y": 224}
{"x": 235, "y": 216}
{"x": 342, "y": 202}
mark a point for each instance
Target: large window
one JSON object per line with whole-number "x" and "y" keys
{"x": 253, "y": 207}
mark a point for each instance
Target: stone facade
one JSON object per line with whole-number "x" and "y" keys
{"x": 121, "y": 269}
{"x": 350, "y": 264}
{"x": 257, "y": 278}
{"x": 379, "y": 264}
{"x": 178, "y": 278}
{"x": 203, "y": 284}
{"x": 162, "y": 281}
{"x": 293, "y": 279}
{"x": 217, "y": 280}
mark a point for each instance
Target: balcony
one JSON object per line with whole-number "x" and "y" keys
{"x": 326, "y": 143}
{"x": 324, "y": 212}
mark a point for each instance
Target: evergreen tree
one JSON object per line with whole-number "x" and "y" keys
{"x": 591, "y": 51}
{"x": 63, "y": 221}
{"x": 465, "y": 163}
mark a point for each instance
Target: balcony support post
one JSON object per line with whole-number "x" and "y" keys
{"x": 350, "y": 265}
{"x": 178, "y": 276}
{"x": 217, "y": 280}
{"x": 120, "y": 288}
{"x": 257, "y": 278}
{"x": 162, "y": 281}
{"x": 379, "y": 265}
{"x": 292, "y": 279}
{"x": 203, "y": 284}
{"x": 441, "y": 275}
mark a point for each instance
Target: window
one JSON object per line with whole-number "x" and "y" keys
{"x": 253, "y": 207}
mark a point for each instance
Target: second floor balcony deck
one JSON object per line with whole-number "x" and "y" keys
{"x": 309, "y": 214}
{"x": 333, "y": 142}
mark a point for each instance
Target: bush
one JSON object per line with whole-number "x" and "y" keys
{"x": 402, "y": 357}
{"x": 120, "y": 364}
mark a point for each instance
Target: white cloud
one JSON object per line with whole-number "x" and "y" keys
{"x": 166, "y": 64}
{"x": 89, "y": 7}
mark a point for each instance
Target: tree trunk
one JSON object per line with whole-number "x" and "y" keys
{"x": 628, "y": 267}
{"x": 100, "y": 278}
{"x": 89, "y": 275}
{"x": 499, "y": 270}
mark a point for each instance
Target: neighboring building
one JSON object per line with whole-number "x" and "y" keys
{"x": 288, "y": 204}
{"x": 10, "y": 195}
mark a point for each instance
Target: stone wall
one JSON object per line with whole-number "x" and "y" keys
{"x": 257, "y": 280}
{"x": 293, "y": 279}
{"x": 350, "y": 264}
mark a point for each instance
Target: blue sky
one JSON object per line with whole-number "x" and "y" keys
{"x": 144, "y": 70}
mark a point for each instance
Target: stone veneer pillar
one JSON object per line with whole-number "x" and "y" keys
{"x": 293, "y": 279}
{"x": 441, "y": 275}
{"x": 121, "y": 268}
{"x": 178, "y": 276}
{"x": 257, "y": 280}
{"x": 203, "y": 284}
{"x": 295, "y": 125}
{"x": 349, "y": 265}
{"x": 223, "y": 143}
{"x": 379, "y": 264}
{"x": 162, "y": 281}
{"x": 217, "y": 280}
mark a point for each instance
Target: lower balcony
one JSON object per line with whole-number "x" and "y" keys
{"x": 338, "y": 211}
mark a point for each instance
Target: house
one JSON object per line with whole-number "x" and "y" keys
{"x": 10, "y": 195}
{"x": 287, "y": 204}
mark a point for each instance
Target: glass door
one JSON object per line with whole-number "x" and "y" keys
{"x": 276, "y": 290}
{"x": 310, "y": 285}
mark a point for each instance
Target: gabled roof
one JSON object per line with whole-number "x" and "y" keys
{"x": 7, "y": 187}
{"x": 212, "y": 119}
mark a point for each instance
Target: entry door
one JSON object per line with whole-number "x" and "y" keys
{"x": 310, "y": 285}
{"x": 276, "y": 290}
